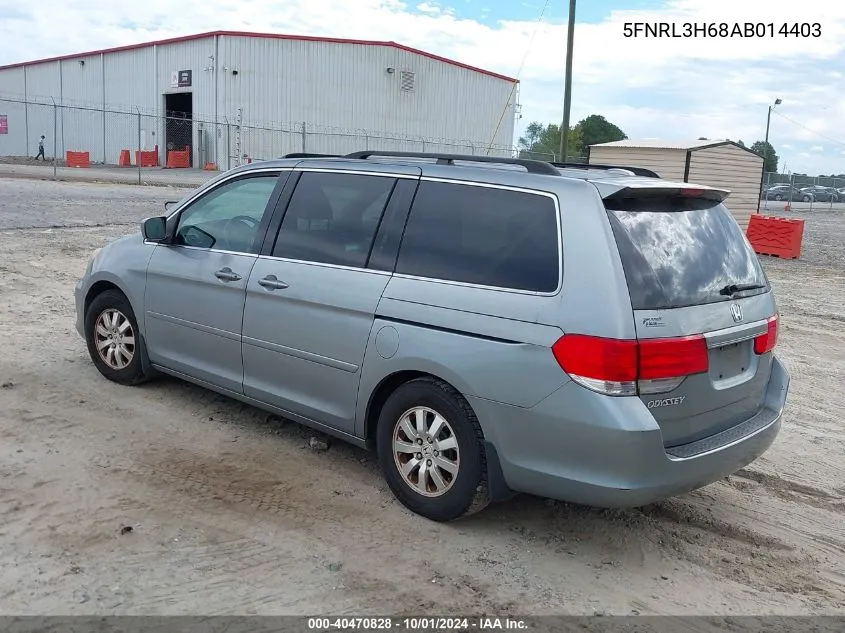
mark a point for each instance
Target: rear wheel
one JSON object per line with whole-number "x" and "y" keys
{"x": 430, "y": 447}
{"x": 114, "y": 343}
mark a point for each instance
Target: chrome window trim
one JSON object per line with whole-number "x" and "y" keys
{"x": 360, "y": 269}
{"x": 357, "y": 172}
{"x": 553, "y": 197}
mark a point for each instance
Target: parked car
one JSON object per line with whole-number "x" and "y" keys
{"x": 782, "y": 192}
{"x": 489, "y": 326}
{"x": 821, "y": 194}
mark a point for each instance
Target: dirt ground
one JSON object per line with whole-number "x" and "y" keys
{"x": 167, "y": 499}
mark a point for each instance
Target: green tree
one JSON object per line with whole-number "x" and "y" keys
{"x": 770, "y": 157}
{"x": 596, "y": 129}
{"x": 544, "y": 141}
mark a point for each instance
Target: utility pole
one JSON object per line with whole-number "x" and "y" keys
{"x": 567, "y": 96}
{"x": 766, "y": 152}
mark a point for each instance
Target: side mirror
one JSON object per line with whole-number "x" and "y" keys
{"x": 155, "y": 229}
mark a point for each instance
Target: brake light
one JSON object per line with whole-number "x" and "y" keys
{"x": 627, "y": 367}
{"x": 672, "y": 357}
{"x": 688, "y": 192}
{"x": 765, "y": 343}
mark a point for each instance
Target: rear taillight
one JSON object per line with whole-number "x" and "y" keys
{"x": 765, "y": 343}
{"x": 627, "y": 367}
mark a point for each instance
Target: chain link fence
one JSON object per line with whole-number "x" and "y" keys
{"x": 122, "y": 137}
{"x": 779, "y": 189}
{"x": 553, "y": 158}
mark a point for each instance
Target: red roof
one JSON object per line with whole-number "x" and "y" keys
{"x": 278, "y": 36}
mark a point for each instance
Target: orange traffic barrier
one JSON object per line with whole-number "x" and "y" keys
{"x": 78, "y": 159}
{"x": 179, "y": 159}
{"x": 147, "y": 158}
{"x": 777, "y": 237}
{"x": 124, "y": 160}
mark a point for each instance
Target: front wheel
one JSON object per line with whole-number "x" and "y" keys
{"x": 114, "y": 343}
{"x": 806, "y": 198}
{"x": 430, "y": 448}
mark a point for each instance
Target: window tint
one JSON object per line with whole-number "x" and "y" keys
{"x": 227, "y": 218}
{"x": 332, "y": 218}
{"x": 678, "y": 253}
{"x": 481, "y": 235}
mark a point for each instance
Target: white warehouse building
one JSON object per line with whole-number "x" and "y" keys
{"x": 232, "y": 97}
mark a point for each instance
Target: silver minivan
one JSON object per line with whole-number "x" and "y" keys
{"x": 490, "y": 326}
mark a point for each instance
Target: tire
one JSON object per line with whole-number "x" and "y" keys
{"x": 806, "y": 198}
{"x": 106, "y": 305}
{"x": 463, "y": 493}
{"x": 778, "y": 197}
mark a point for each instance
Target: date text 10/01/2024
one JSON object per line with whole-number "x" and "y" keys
{"x": 721, "y": 29}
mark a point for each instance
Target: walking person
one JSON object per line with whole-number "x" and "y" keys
{"x": 41, "y": 149}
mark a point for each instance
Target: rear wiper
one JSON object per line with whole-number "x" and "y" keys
{"x": 732, "y": 289}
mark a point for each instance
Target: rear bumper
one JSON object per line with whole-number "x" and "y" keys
{"x": 601, "y": 451}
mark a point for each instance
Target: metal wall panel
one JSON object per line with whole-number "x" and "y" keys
{"x": 43, "y": 85}
{"x": 342, "y": 89}
{"x": 130, "y": 88}
{"x": 82, "y": 119}
{"x": 16, "y": 140}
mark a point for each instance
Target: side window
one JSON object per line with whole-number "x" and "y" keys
{"x": 481, "y": 235}
{"x": 332, "y": 218}
{"x": 227, "y": 218}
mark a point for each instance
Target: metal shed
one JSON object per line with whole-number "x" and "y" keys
{"x": 716, "y": 163}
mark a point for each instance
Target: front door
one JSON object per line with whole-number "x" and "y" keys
{"x": 196, "y": 285}
{"x": 310, "y": 303}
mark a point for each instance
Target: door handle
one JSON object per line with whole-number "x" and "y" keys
{"x": 226, "y": 274}
{"x": 271, "y": 283}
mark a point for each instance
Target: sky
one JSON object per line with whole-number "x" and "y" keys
{"x": 666, "y": 88}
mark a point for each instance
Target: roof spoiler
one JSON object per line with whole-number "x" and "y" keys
{"x": 634, "y": 171}
{"x": 666, "y": 190}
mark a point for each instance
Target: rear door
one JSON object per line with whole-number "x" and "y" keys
{"x": 703, "y": 309}
{"x": 312, "y": 295}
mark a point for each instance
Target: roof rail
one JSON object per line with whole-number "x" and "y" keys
{"x": 638, "y": 171}
{"x": 306, "y": 155}
{"x": 532, "y": 166}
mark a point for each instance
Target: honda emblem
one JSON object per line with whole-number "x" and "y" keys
{"x": 736, "y": 312}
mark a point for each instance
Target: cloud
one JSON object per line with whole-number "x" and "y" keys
{"x": 672, "y": 88}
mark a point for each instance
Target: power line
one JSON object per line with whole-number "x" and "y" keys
{"x": 801, "y": 125}
{"x": 518, "y": 74}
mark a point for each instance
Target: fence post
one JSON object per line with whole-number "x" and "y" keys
{"x": 228, "y": 145}
{"x": 55, "y": 140}
{"x": 105, "y": 159}
{"x": 139, "y": 161}
{"x": 303, "y": 137}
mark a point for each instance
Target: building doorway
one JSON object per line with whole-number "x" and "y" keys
{"x": 179, "y": 121}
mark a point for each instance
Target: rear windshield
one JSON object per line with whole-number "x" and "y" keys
{"x": 679, "y": 252}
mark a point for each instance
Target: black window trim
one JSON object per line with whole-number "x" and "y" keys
{"x": 283, "y": 203}
{"x": 464, "y": 284}
{"x": 202, "y": 192}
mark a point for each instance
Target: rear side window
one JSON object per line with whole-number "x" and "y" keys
{"x": 679, "y": 252}
{"x": 332, "y": 218}
{"x": 482, "y": 235}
